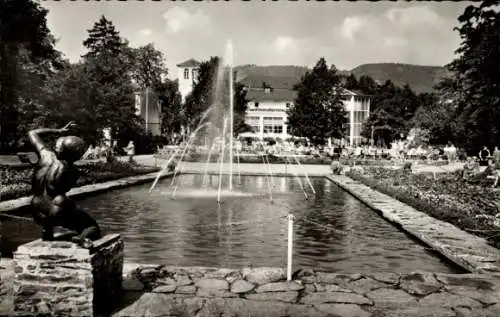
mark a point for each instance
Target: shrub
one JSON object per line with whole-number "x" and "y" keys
{"x": 407, "y": 167}
{"x": 358, "y": 170}
{"x": 336, "y": 168}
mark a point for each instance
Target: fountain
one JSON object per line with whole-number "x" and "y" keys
{"x": 216, "y": 124}
{"x": 216, "y": 132}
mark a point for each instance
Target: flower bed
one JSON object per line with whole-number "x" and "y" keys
{"x": 16, "y": 182}
{"x": 471, "y": 207}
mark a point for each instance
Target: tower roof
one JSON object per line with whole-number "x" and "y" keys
{"x": 189, "y": 63}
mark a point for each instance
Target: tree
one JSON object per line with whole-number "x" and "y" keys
{"x": 367, "y": 85}
{"x": 26, "y": 51}
{"x": 149, "y": 68}
{"x": 108, "y": 65}
{"x": 171, "y": 108}
{"x": 203, "y": 94}
{"x": 150, "y": 71}
{"x": 351, "y": 82}
{"x": 435, "y": 115}
{"x": 393, "y": 107}
{"x": 212, "y": 89}
{"x": 318, "y": 112}
{"x": 476, "y": 77}
{"x": 72, "y": 97}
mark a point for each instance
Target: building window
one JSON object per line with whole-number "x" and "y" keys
{"x": 273, "y": 125}
{"x": 287, "y": 105}
{"x": 194, "y": 74}
{"x": 254, "y": 123}
{"x": 186, "y": 73}
{"x": 256, "y": 105}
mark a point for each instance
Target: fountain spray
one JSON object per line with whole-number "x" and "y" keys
{"x": 229, "y": 63}
{"x": 222, "y": 160}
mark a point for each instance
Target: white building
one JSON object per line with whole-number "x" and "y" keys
{"x": 270, "y": 97}
{"x": 187, "y": 74}
{"x": 358, "y": 110}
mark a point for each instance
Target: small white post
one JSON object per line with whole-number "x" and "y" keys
{"x": 290, "y": 247}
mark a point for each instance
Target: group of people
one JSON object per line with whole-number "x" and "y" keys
{"x": 484, "y": 158}
{"x": 109, "y": 152}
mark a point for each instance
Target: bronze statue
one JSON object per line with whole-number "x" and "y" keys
{"x": 54, "y": 176}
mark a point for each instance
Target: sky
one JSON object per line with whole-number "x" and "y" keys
{"x": 346, "y": 34}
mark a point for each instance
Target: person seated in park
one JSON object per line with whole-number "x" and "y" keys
{"x": 54, "y": 175}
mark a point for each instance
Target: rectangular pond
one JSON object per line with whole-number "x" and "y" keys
{"x": 186, "y": 226}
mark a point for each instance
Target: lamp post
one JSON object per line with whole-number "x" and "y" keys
{"x": 147, "y": 108}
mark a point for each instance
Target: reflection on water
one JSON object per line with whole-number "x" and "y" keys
{"x": 191, "y": 229}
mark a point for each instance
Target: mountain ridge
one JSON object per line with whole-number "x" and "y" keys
{"x": 421, "y": 78}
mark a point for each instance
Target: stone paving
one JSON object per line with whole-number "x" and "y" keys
{"x": 172, "y": 291}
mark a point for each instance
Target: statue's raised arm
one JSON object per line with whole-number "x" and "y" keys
{"x": 35, "y": 136}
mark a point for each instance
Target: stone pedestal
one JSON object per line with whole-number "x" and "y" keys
{"x": 61, "y": 279}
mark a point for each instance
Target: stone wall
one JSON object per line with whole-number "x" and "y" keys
{"x": 6, "y": 278}
{"x": 194, "y": 291}
{"x": 60, "y": 278}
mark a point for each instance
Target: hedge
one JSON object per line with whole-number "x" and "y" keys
{"x": 16, "y": 182}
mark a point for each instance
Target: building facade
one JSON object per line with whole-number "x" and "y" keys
{"x": 269, "y": 99}
{"x": 358, "y": 111}
{"x": 187, "y": 75}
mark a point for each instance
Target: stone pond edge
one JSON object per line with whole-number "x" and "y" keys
{"x": 470, "y": 252}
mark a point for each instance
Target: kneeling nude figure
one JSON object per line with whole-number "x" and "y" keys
{"x": 54, "y": 175}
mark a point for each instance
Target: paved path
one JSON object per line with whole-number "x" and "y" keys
{"x": 156, "y": 290}
{"x": 149, "y": 160}
{"x": 172, "y": 291}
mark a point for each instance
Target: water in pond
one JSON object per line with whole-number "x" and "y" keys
{"x": 191, "y": 229}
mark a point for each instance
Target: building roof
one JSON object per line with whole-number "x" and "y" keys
{"x": 284, "y": 95}
{"x": 276, "y": 82}
{"x": 352, "y": 92}
{"x": 259, "y": 95}
{"x": 274, "y": 71}
{"x": 189, "y": 63}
